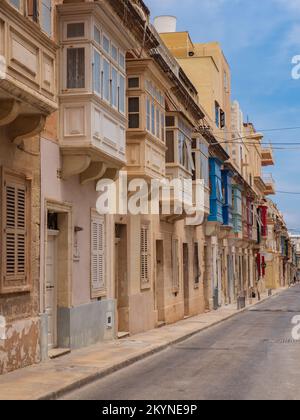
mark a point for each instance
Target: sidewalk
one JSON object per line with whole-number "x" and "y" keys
{"x": 57, "y": 377}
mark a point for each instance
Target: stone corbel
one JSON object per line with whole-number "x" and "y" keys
{"x": 9, "y": 111}
{"x": 94, "y": 172}
{"x": 26, "y": 126}
{"x": 74, "y": 165}
{"x": 111, "y": 173}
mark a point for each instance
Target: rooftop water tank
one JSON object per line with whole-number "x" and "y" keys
{"x": 165, "y": 24}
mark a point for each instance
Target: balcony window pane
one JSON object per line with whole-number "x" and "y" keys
{"x": 106, "y": 80}
{"x": 76, "y": 68}
{"x": 134, "y": 112}
{"x": 170, "y": 157}
{"x": 163, "y": 128}
{"x": 97, "y": 72}
{"x": 148, "y": 110}
{"x": 114, "y": 88}
{"x": 46, "y": 16}
{"x": 122, "y": 61}
{"x": 106, "y": 44}
{"x": 16, "y": 3}
{"x": 157, "y": 123}
{"x": 114, "y": 53}
{"x": 122, "y": 95}
{"x": 153, "y": 119}
{"x": 97, "y": 35}
{"x": 75, "y": 30}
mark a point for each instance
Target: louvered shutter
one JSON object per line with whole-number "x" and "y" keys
{"x": 175, "y": 265}
{"x": 98, "y": 255}
{"x": 15, "y": 213}
{"x": 145, "y": 256}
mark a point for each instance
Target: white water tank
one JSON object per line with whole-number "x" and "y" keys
{"x": 165, "y": 24}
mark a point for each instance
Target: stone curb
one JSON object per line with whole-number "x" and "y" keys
{"x": 89, "y": 379}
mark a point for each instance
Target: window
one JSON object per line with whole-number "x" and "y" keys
{"x": 170, "y": 121}
{"x": 197, "y": 271}
{"x": 97, "y": 35}
{"x": 114, "y": 88}
{"x": 158, "y": 133}
{"x": 122, "y": 61}
{"x": 33, "y": 10}
{"x": 217, "y": 112}
{"x": 46, "y": 16}
{"x": 134, "y": 112}
{"x": 15, "y": 209}
{"x": 16, "y": 3}
{"x": 222, "y": 119}
{"x": 145, "y": 256}
{"x": 122, "y": 94}
{"x": 75, "y": 30}
{"x": 97, "y": 73}
{"x": 75, "y": 68}
{"x": 133, "y": 82}
{"x": 153, "y": 118}
{"x": 106, "y": 80}
{"x": 175, "y": 265}
{"x": 170, "y": 156}
{"x": 148, "y": 112}
{"x": 97, "y": 255}
{"x": 106, "y": 44}
{"x": 163, "y": 127}
{"x": 114, "y": 53}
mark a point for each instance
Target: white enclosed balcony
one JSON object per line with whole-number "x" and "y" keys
{"x": 92, "y": 92}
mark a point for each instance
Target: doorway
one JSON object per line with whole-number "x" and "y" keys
{"x": 51, "y": 288}
{"x": 186, "y": 278}
{"x": 160, "y": 282}
{"x": 121, "y": 278}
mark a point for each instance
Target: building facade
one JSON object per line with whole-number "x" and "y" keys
{"x": 94, "y": 100}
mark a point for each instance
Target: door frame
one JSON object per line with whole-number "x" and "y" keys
{"x": 54, "y": 234}
{"x": 64, "y": 259}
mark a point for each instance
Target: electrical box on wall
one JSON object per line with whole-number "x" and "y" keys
{"x": 109, "y": 320}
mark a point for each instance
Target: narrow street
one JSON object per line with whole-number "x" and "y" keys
{"x": 251, "y": 356}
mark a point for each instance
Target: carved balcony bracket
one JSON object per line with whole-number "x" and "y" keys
{"x": 74, "y": 165}
{"x": 9, "y": 111}
{"x": 26, "y": 126}
{"x": 94, "y": 172}
{"x": 111, "y": 173}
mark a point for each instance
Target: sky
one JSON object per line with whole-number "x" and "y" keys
{"x": 259, "y": 39}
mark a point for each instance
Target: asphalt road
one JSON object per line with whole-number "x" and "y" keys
{"x": 251, "y": 356}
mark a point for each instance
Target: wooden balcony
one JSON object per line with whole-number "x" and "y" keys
{"x": 270, "y": 185}
{"x": 27, "y": 74}
{"x": 267, "y": 156}
{"x": 145, "y": 156}
{"x": 180, "y": 203}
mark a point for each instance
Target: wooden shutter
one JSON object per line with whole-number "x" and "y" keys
{"x": 145, "y": 256}
{"x": 15, "y": 240}
{"x": 97, "y": 256}
{"x": 175, "y": 265}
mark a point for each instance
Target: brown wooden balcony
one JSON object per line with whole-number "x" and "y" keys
{"x": 270, "y": 185}
{"x": 267, "y": 156}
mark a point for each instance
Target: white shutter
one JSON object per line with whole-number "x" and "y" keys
{"x": 97, "y": 255}
{"x": 145, "y": 257}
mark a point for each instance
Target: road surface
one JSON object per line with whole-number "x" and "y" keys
{"x": 251, "y": 356}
